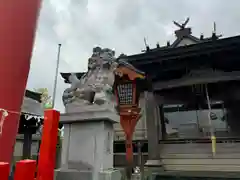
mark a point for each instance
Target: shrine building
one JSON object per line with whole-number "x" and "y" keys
{"x": 193, "y": 98}
{"x": 192, "y": 78}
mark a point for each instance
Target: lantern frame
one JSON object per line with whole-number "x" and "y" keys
{"x": 122, "y": 99}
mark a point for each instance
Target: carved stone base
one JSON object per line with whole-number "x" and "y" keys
{"x": 76, "y": 107}
{"x": 89, "y": 113}
{"x": 88, "y": 142}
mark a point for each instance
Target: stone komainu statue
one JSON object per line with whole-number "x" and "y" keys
{"x": 94, "y": 88}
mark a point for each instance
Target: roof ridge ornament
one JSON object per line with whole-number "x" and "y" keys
{"x": 183, "y": 31}
{"x": 182, "y": 26}
{"x": 146, "y": 45}
{"x": 214, "y": 33}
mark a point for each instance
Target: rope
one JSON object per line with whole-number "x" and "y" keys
{"x": 4, "y": 114}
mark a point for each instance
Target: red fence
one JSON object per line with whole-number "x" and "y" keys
{"x": 4, "y": 170}
{"x": 26, "y": 169}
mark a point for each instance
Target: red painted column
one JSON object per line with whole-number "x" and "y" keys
{"x": 4, "y": 170}
{"x": 47, "y": 156}
{"x": 25, "y": 170}
{"x": 18, "y": 21}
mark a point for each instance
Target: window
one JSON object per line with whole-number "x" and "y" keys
{"x": 195, "y": 123}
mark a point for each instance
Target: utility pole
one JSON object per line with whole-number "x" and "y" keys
{"x": 56, "y": 75}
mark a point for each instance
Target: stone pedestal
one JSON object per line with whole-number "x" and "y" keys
{"x": 88, "y": 143}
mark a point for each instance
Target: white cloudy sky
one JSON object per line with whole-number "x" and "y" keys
{"x": 79, "y": 25}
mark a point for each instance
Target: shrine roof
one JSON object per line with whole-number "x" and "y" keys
{"x": 33, "y": 95}
{"x": 185, "y": 45}
{"x": 123, "y": 62}
{"x": 162, "y": 62}
{"x": 162, "y": 54}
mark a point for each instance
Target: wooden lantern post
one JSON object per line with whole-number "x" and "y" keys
{"x": 129, "y": 116}
{"x": 127, "y": 94}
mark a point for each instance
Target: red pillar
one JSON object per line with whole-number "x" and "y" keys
{"x": 4, "y": 171}
{"x": 25, "y": 170}
{"x": 47, "y": 156}
{"x": 18, "y": 21}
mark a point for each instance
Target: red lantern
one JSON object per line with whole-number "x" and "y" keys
{"x": 127, "y": 95}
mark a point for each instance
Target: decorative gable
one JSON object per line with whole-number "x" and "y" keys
{"x": 185, "y": 42}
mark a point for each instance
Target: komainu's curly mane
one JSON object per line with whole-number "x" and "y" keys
{"x": 94, "y": 87}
